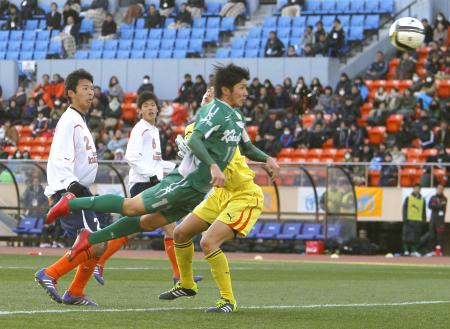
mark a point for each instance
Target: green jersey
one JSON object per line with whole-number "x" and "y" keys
{"x": 222, "y": 128}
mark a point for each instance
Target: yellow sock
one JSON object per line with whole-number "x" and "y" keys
{"x": 184, "y": 253}
{"x": 221, "y": 274}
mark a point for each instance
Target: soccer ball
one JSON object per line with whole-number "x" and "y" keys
{"x": 407, "y": 33}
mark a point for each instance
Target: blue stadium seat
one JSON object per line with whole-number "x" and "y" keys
{"x": 126, "y": 34}
{"x": 227, "y": 24}
{"x": 199, "y": 23}
{"x": 184, "y": 34}
{"x": 342, "y": 6}
{"x": 236, "y": 53}
{"x": 238, "y": 43}
{"x": 298, "y": 32}
{"x": 151, "y": 54}
{"x": 14, "y": 46}
{"x": 167, "y": 44}
{"x": 372, "y": 22}
{"x": 169, "y": 34}
{"x": 140, "y": 23}
{"x": 139, "y": 45}
{"x": 153, "y": 45}
{"x": 387, "y": 7}
{"x": 29, "y": 36}
{"x": 110, "y": 45}
{"x": 26, "y": 55}
{"x": 357, "y": 20}
{"x": 327, "y": 21}
{"x": 141, "y": 34}
{"x": 125, "y": 44}
{"x": 16, "y": 36}
{"x": 165, "y": 54}
{"x": 270, "y": 22}
{"x": 255, "y": 230}
{"x": 40, "y": 55}
{"x": 213, "y": 23}
{"x": 333, "y": 231}
{"x": 285, "y": 42}
{"x": 309, "y": 232}
{"x": 356, "y": 33}
{"x": 28, "y": 46}
{"x": 284, "y": 33}
{"x": 213, "y": 8}
{"x": 95, "y": 54}
{"x": 155, "y": 34}
{"x": 357, "y": 6}
{"x": 4, "y": 35}
{"x": 87, "y": 26}
{"x": 25, "y": 225}
{"x": 41, "y": 46}
{"x": 312, "y": 20}
{"x": 372, "y": 6}
{"x": 31, "y": 24}
{"x": 299, "y": 21}
{"x": 345, "y": 20}
{"x": 195, "y": 46}
{"x": 156, "y": 233}
{"x": 251, "y": 53}
{"x": 223, "y": 53}
{"x": 294, "y": 41}
{"x": 289, "y": 231}
{"x": 97, "y": 45}
{"x": 281, "y": 4}
{"x": 198, "y": 34}
{"x": 181, "y": 44}
{"x": 253, "y": 44}
{"x": 109, "y": 54}
{"x": 3, "y": 46}
{"x": 328, "y": 6}
{"x": 123, "y": 54}
{"x": 212, "y": 36}
{"x": 312, "y": 7}
{"x": 125, "y": 26}
{"x": 269, "y": 231}
{"x": 168, "y": 22}
{"x": 179, "y": 53}
{"x": 284, "y": 22}
{"x": 39, "y": 226}
{"x": 12, "y": 55}
{"x": 82, "y": 54}
{"x": 265, "y": 33}
{"x": 43, "y": 36}
{"x": 137, "y": 54}
{"x": 42, "y": 24}
{"x": 255, "y": 32}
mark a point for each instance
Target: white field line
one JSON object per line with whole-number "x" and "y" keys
{"x": 256, "y": 307}
{"x": 162, "y": 268}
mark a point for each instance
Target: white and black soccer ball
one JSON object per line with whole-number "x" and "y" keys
{"x": 407, "y": 33}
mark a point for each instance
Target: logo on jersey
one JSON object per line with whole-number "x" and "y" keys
{"x": 153, "y": 143}
{"x": 207, "y": 119}
{"x": 230, "y": 136}
{"x": 240, "y": 124}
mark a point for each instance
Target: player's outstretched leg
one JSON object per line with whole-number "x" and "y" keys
{"x": 113, "y": 247}
{"x": 75, "y": 294}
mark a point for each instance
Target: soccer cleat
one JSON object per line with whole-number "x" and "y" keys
{"x": 68, "y": 299}
{"x": 178, "y": 291}
{"x": 222, "y": 306}
{"x": 61, "y": 208}
{"x": 196, "y": 278}
{"x": 98, "y": 274}
{"x": 49, "y": 285}
{"x": 81, "y": 244}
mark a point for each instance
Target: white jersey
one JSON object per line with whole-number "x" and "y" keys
{"x": 73, "y": 156}
{"x": 144, "y": 154}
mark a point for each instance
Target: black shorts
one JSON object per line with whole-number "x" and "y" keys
{"x": 72, "y": 223}
{"x": 140, "y": 187}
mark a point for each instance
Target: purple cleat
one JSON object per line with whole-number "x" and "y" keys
{"x": 68, "y": 299}
{"x": 196, "y": 278}
{"x": 49, "y": 285}
{"x": 98, "y": 274}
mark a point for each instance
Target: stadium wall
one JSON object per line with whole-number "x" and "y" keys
{"x": 440, "y": 5}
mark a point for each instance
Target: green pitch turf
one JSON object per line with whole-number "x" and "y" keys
{"x": 270, "y": 295}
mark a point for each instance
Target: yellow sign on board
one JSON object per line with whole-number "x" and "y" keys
{"x": 369, "y": 201}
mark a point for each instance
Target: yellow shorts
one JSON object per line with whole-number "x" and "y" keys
{"x": 238, "y": 209}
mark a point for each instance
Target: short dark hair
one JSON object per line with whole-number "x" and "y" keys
{"x": 228, "y": 76}
{"x": 147, "y": 96}
{"x": 73, "y": 79}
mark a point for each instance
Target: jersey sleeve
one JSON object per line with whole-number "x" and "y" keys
{"x": 208, "y": 120}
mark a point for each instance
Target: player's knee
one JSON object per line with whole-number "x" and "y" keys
{"x": 180, "y": 235}
{"x": 130, "y": 207}
{"x": 208, "y": 245}
{"x": 99, "y": 249}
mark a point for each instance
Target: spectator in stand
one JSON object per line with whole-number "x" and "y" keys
{"x": 57, "y": 88}
{"x": 43, "y": 90}
{"x": 109, "y": 28}
{"x": 363, "y": 90}
{"x": 308, "y": 37}
{"x": 406, "y": 68}
{"x": 40, "y": 125}
{"x": 54, "y": 118}
{"x": 115, "y": 89}
{"x": 17, "y": 155}
{"x": 319, "y": 32}
{"x": 43, "y": 108}
{"x": 301, "y": 136}
{"x": 308, "y": 51}
{"x": 95, "y": 119}
{"x": 340, "y": 135}
{"x": 12, "y": 112}
{"x": 282, "y": 99}
{"x": 11, "y": 134}
{"x": 287, "y": 138}
{"x": 426, "y": 92}
{"x": 135, "y": 10}
{"x": 344, "y": 84}
{"x": 254, "y": 89}
{"x": 153, "y": 19}
{"x": 166, "y": 7}
{"x": 326, "y": 101}
{"x": 398, "y": 157}
{"x": 69, "y": 37}
{"x": 272, "y": 145}
{"x": 71, "y": 8}
{"x": 378, "y": 69}
{"x": 349, "y": 112}
{"x": 440, "y": 18}
{"x": 29, "y": 112}
{"x": 433, "y": 65}
{"x": 426, "y": 137}
{"x": 336, "y": 38}
{"x": 291, "y": 52}
{"x": 355, "y": 95}
{"x": 53, "y": 18}
{"x": 428, "y": 31}
{"x": 199, "y": 88}
{"x": 356, "y": 137}
{"x": 183, "y": 19}
{"x": 366, "y": 153}
{"x": 292, "y": 8}
{"x": 117, "y": 142}
{"x": 317, "y": 137}
{"x": 266, "y": 98}
{"x": 377, "y": 116}
{"x": 13, "y": 22}
{"x": 318, "y": 120}
{"x": 233, "y": 8}
{"x": 186, "y": 91}
{"x": 393, "y": 101}
{"x": 274, "y": 47}
{"x": 195, "y": 7}
{"x": 407, "y": 104}
{"x": 146, "y": 85}
{"x": 29, "y": 8}
{"x": 321, "y": 46}
{"x": 443, "y": 135}
{"x": 389, "y": 172}
{"x": 442, "y": 159}
{"x": 101, "y": 96}
{"x": 381, "y": 94}
{"x": 440, "y": 34}
{"x": 290, "y": 120}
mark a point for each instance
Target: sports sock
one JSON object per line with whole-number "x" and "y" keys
{"x": 122, "y": 227}
{"x": 170, "y": 252}
{"x": 184, "y": 253}
{"x": 102, "y": 203}
{"x": 113, "y": 247}
{"x": 221, "y": 274}
{"x": 84, "y": 273}
{"x": 63, "y": 266}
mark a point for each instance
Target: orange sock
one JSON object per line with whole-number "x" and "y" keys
{"x": 170, "y": 251}
{"x": 84, "y": 273}
{"x": 113, "y": 247}
{"x": 63, "y": 266}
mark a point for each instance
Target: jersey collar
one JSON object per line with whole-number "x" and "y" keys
{"x": 83, "y": 116}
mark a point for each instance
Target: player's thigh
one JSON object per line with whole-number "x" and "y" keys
{"x": 151, "y": 222}
{"x": 133, "y": 206}
{"x": 189, "y": 227}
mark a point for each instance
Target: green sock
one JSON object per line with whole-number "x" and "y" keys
{"x": 122, "y": 227}
{"x": 102, "y": 203}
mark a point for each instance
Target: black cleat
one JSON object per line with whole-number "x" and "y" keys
{"x": 178, "y": 291}
{"x": 222, "y": 306}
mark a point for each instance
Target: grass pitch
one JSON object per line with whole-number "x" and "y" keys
{"x": 270, "y": 295}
